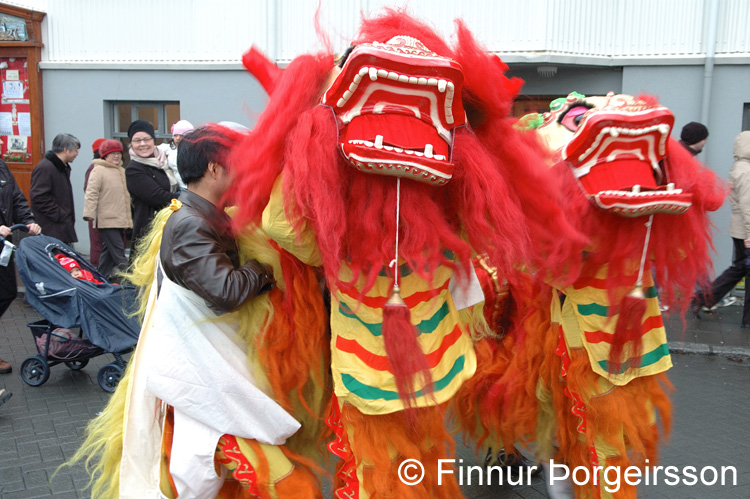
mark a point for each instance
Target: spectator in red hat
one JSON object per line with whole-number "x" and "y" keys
{"x": 107, "y": 205}
{"x": 95, "y": 240}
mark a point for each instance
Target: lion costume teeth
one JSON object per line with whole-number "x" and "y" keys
{"x": 615, "y": 146}
{"x": 396, "y": 105}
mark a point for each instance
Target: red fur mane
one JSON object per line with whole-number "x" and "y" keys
{"x": 501, "y": 200}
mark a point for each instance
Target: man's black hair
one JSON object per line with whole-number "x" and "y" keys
{"x": 201, "y": 146}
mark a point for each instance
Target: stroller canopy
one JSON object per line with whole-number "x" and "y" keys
{"x": 100, "y": 310}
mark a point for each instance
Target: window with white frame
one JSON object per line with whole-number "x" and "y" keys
{"x": 161, "y": 114}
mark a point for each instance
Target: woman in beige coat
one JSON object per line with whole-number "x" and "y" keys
{"x": 107, "y": 203}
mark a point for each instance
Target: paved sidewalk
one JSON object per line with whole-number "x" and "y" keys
{"x": 714, "y": 333}
{"x": 42, "y": 427}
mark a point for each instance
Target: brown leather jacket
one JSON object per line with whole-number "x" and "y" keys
{"x": 199, "y": 252}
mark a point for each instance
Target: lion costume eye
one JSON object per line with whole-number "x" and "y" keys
{"x": 571, "y": 119}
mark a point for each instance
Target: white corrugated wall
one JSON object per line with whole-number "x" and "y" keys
{"x": 218, "y": 31}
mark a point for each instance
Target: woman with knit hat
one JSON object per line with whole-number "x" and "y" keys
{"x": 170, "y": 148}
{"x": 693, "y": 137}
{"x": 107, "y": 204}
{"x": 151, "y": 182}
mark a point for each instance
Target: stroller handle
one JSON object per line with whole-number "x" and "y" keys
{"x": 22, "y": 227}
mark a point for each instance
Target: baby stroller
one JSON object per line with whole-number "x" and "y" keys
{"x": 100, "y": 311}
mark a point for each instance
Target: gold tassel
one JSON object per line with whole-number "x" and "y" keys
{"x": 395, "y": 300}
{"x": 637, "y": 292}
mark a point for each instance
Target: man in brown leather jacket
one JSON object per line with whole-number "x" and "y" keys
{"x": 195, "y": 370}
{"x": 198, "y": 249}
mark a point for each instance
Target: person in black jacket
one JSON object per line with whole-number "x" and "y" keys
{"x": 150, "y": 181}
{"x": 51, "y": 193}
{"x": 13, "y": 210}
{"x": 693, "y": 137}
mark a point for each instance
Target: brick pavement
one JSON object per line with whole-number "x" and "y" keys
{"x": 41, "y": 427}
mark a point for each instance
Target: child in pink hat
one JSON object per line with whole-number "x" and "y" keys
{"x": 170, "y": 148}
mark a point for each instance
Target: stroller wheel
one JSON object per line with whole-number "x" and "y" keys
{"x": 109, "y": 376}
{"x": 35, "y": 371}
{"x": 76, "y": 365}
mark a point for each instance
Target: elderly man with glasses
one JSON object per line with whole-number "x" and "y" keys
{"x": 51, "y": 192}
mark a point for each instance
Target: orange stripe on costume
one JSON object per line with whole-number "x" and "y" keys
{"x": 380, "y": 362}
{"x": 378, "y": 302}
{"x": 593, "y": 282}
{"x": 649, "y": 324}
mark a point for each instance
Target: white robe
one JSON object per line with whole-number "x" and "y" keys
{"x": 190, "y": 358}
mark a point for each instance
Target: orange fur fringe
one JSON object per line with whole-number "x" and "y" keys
{"x": 294, "y": 350}
{"x": 374, "y": 440}
{"x": 621, "y": 417}
{"x": 498, "y": 405}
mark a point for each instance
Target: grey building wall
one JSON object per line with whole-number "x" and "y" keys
{"x": 586, "y": 80}
{"x": 75, "y": 102}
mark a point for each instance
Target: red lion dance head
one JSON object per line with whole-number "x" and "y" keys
{"x": 402, "y": 104}
{"x": 621, "y": 169}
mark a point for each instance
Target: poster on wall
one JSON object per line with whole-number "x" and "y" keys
{"x": 15, "y": 111}
{"x": 12, "y": 28}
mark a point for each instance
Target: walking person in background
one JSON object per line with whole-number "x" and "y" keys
{"x": 151, "y": 183}
{"x": 693, "y": 137}
{"x": 107, "y": 204}
{"x": 95, "y": 240}
{"x": 170, "y": 148}
{"x": 51, "y": 193}
{"x": 739, "y": 230}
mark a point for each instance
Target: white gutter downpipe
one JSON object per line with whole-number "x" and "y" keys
{"x": 708, "y": 72}
{"x": 272, "y": 23}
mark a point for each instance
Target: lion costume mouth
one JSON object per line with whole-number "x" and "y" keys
{"x": 615, "y": 148}
{"x": 398, "y": 104}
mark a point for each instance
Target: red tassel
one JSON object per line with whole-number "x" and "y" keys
{"x": 406, "y": 358}
{"x": 629, "y": 328}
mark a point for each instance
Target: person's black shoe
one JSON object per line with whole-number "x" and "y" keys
{"x": 514, "y": 461}
{"x": 745, "y": 326}
{"x": 695, "y": 308}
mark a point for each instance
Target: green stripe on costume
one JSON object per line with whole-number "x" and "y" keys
{"x": 404, "y": 269}
{"x": 603, "y": 310}
{"x": 426, "y": 326}
{"x": 368, "y": 392}
{"x": 593, "y": 309}
{"x": 647, "y": 359}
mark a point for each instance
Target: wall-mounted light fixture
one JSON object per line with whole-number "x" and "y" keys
{"x": 546, "y": 71}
